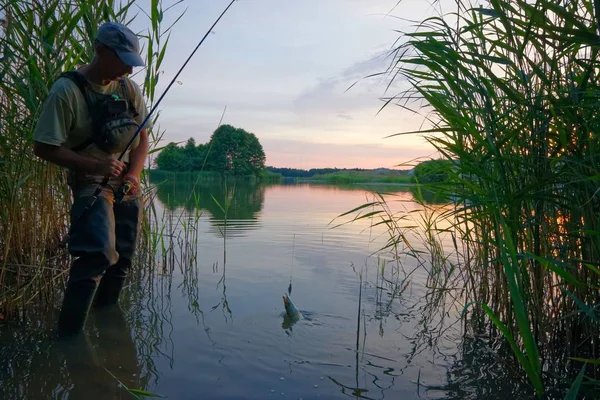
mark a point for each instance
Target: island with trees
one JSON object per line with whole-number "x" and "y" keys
{"x": 236, "y": 152}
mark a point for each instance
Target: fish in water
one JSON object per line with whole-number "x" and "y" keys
{"x": 290, "y": 309}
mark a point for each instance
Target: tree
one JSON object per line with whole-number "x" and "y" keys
{"x": 230, "y": 150}
{"x": 171, "y": 158}
{"x": 433, "y": 171}
{"x": 235, "y": 151}
{"x": 193, "y": 156}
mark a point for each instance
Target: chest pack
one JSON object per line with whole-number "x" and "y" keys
{"x": 112, "y": 115}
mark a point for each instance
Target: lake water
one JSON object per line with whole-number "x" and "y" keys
{"x": 205, "y": 319}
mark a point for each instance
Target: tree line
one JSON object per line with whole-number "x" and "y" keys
{"x": 307, "y": 173}
{"x": 230, "y": 150}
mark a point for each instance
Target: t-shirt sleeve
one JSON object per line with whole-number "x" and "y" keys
{"x": 55, "y": 120}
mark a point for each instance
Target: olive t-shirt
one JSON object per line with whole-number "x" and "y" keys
{"x": 65, "y": 119}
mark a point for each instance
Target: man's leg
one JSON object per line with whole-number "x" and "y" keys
{"x": 128, "y": 217}
{"x": 92, "y": 241}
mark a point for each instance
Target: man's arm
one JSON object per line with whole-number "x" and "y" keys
{"x": 65, "y": 157}
{"x": 137, "y": 158}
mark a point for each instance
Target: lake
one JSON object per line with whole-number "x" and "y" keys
{"x": 204, "y": 318}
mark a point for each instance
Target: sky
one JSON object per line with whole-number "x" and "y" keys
{"x": 294, "y": 74}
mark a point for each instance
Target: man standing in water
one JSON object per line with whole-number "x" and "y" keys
{"x": 86, "y": 122}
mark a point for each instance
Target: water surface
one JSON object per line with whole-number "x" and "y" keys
{"x": 204, "y": 318}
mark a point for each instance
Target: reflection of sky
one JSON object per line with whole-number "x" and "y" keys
{"x": 283, "y": 70}
{"x": 316, "y": 207}
{"x": 318, "y": 214}
{"x": 401, "y": 340}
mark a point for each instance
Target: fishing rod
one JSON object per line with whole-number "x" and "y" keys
{"x": 139, "y": 129}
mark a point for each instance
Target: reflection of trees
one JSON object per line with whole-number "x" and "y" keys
{"x": 429, "y": 195}
{"x": 245, "y": 201}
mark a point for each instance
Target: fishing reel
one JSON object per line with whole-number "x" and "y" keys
{"x": 123, "y": 190}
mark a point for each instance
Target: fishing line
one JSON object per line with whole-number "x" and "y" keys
{"x": 139, "y": 129}
{"x": 211, "y": 142}
{"x": 292, "y": 267}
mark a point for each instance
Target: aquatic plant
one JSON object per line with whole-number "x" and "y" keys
{"x": 509, "y": 94}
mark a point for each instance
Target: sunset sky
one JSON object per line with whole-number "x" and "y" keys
{"x": 283, "y": 70}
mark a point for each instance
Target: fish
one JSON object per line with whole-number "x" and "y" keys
{"x": 290, "y": 309}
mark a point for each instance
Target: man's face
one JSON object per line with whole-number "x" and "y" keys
{"x": 112, "y": 66}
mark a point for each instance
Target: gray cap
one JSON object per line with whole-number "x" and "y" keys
{"x": 123, "y": 41}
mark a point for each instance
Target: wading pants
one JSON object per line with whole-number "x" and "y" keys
{"x": 103, "y": 242}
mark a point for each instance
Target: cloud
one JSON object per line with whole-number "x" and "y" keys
{"x": 358, "y": 87}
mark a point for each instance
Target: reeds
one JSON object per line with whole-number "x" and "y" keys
{"x": 38, "y": 41}
{"x": 509, "y": 91}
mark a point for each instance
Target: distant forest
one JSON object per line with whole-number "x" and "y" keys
{"x": 303, "y": 173}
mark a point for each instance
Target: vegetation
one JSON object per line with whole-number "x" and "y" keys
{"x": 39, "y": 41}
{"x": 355, "y": 177}
{"x": 433, "y": 171}
{"x": 159, "y": 175}
{"x": 510, "y": 92}
{"x": 229, "y": 151}
{"x": 340, "y": 176}
{"x": 311, "y": 173}
{"x": 297, "y": 173}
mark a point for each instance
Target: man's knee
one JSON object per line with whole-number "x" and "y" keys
{"x": 91, "y": 267}
{"x": 99, "y": 253}
{"x": 92, "y": 234}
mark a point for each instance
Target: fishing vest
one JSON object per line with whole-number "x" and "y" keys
{"x": 112, "y": 115}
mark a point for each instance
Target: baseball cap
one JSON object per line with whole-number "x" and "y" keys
{"x": 123, "y": 41}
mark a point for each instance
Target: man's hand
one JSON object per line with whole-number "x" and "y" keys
{"x": 137, "y": 156}
{"x": 65, "y": 157}
{"x": 135, "y": 181}
{"x": 113, "y": 168}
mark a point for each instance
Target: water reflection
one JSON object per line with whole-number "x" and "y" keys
{"x": 237, "y": 202}
{"x": 287, "y": 324}
{"x": 100, "y": 363}
{"x": 426, "y": 195}
{"x": 429, "y": 195}
{"x": 479, "y": 372}
{"x": 223, "y": 302}
{"x": 176, "y": 336}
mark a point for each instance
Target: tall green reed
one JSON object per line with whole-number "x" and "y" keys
{"x": 509, "y": 91}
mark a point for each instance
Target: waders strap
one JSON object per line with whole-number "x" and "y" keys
{"x": 82, "y": 84}
{"x": 128, "y": 96}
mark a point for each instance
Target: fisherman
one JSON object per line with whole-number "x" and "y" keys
{"x": 89, "y": 117}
